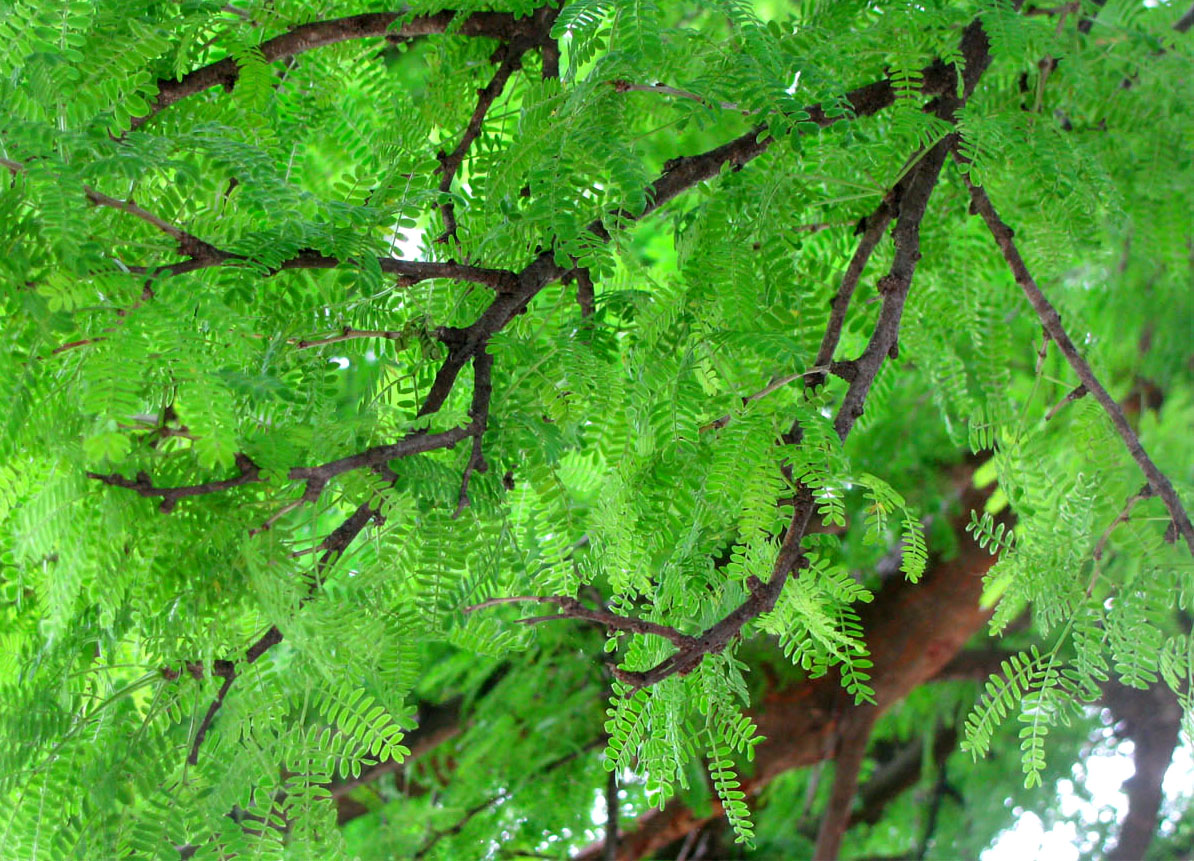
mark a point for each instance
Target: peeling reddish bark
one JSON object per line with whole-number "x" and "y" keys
{"x": 912, "y": 631}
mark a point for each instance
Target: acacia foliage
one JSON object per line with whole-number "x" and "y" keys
{"x": 332, "y": 336}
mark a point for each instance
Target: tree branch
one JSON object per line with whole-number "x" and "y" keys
{"x": 611, "y": 816}
{"x": 317, "y": 34}
{"x": 775, "y": 385}
{"x": 571, "y": 608}
{"x": 902, "y": 772}
{"x": 509, "y": 58}
{"x": 316, "y": 477}
{"x": 333, "y": 546}
{"x": 873, "y": 229}
{"x": 482, "y": 395}
{"x": 912, "y": 631}
{"x": 1152, "y": 720}
{"x": 912, "y": 204}
{"x": 848, "y": 757}
{"x": 143, "y": 486}
{"x": 1051, "y": 320}
{"x": 893, "y": 287}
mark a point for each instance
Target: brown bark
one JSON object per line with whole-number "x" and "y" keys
{"x": 1151, "y": 719}
{"x": 912, "y": 631}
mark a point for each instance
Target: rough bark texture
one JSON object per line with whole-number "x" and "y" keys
{"x": 913, "y": 631}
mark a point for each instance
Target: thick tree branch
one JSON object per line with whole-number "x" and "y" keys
{"x": 894, "y": 287}
{"x": 913, "y": 203}
{"x": 306, "y": 37}
{"x": 912, "y": 631}
{"x": 1051, "y": 320}
{"x": 848, "y": 757}
{"x": 1152, "y": 720}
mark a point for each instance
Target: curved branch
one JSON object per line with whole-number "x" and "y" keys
{"x": 912, "y": 631}
{"x": 317, "y": 34}
{"x": 144, "y": 486}
{"x": 449, "y": 163}
{"x": 1051, "y": 321}
{"x": 873, "y": 227}
{"x": 317, "y": 477}
{"x": 334, "y": 545}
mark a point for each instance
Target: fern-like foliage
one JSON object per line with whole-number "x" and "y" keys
{"x": 413, "y": 417}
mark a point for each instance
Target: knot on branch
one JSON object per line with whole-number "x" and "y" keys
{"x": 452, "y": 337}
{"x": 847, "y": 370}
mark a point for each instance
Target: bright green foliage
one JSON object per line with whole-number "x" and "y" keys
{"x": 256, "y": 474}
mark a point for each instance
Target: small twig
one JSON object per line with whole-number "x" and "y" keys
{"x": 438, "y": 835}
{"x": 278, "y": 515}
{"x": 347, "y": 334}
{"x": 1051, "y": 320}
{"x": 819, "y": 226}
{"x": 1124, "y": 516}
{"x": 240, "y": 13}
{"x": 1042, "y": 354}
{"x": 100, "y": 199}
{"x": 1074, "y": 394}
{"x": 1048, "y": 63}
{"x": 71, "y": 345}
{"x": 572, "y": 609}
{"x": 1062, "y": 10}
{"x": 775, "y": 385}
{"x": 623, "y": 86}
